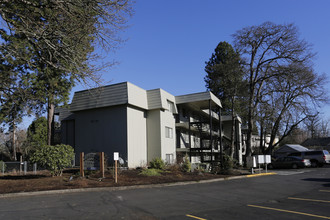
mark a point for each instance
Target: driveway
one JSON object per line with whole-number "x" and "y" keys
{"x": 291, "y": 194}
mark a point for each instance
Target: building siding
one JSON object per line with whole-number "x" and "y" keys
{"x": 136, "y": 137}
{"x": 168, "y": 145}
{"x": 154, "y": 99}
{"x": 137, "y": 96}
{"x": 103, "y": 129}
{"x": 153, "y": 134}
{"x": 100, "y": 97}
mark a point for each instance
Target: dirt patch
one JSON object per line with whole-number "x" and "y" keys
{"x": 72, "y": 180}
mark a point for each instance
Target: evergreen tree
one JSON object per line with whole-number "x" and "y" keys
{"x": 225, "y": 79}
{"x": 13, "y": 87}
{"x": 59, "y": 39}
{"x": 36, "y": 135}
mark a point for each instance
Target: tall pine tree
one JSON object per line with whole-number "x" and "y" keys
{"x": 59, "y": 38}
{"x": 225, "y": 79}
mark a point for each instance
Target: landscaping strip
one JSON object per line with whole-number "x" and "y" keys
{"x": 119, "y": 188}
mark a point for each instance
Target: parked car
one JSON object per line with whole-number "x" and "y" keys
{"x": 317, "y": 157}
{"x": 289, "y": 162}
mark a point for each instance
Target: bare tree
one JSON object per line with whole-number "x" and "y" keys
{"x": 266, "y": 48}
{"x": 293, "y": 96}
{"x": 317, "y": 127}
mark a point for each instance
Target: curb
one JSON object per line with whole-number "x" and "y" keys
{"x": 261, "y": 174}
{"x": 120, "y": 188}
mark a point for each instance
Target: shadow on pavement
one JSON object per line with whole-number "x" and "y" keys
{"x": 321, "y": 180}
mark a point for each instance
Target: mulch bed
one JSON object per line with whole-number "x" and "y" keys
{"x": 72, "y": 180}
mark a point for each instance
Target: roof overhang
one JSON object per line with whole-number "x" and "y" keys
{"x": 199, "y": 101}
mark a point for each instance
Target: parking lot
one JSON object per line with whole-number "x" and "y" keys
{"x": 291, "y": 194}
{"x": 310, "y": 204}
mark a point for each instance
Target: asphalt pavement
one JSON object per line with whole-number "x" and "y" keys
{"x": 291, "y": 194}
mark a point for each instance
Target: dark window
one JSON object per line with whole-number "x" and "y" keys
{"x": 296, "y": 154}
{"x": 313, "y": 153}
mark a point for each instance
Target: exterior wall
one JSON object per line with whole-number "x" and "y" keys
{"x": 102, "y": 129}
{"x": 137, "y": 96}
{"x": 154, "y": 133}
{"x": 132, "y": 121}
{"x": 136, "y": 137}
{"x": 168, "y": 145}
{"x": 68, "y": 132}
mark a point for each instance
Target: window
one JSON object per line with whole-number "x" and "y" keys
{"x": 168, "y": 132}
{"x": 169, "y": 158}
{"x": 170, "y": 106}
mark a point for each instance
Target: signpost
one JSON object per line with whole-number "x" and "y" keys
{"x": 116, "y": 158}
{"x": 82, "y": 172}
{"x": 253, "y": 161}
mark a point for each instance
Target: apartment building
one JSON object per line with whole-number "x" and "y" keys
{"x": 143, "y": 124}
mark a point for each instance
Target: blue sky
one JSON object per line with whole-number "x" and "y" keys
{"x": 168, "y": 41}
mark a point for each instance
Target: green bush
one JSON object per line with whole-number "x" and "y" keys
{"x": 54, "y": 158}
{"x": 151, "y": 172}
{"x": 227, "y": 165}
{"x": 157, "y": 163}
{"x": 186, "y": 165}
{"x": 2, "y": 166}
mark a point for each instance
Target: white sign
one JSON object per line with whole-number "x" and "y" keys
{"x": 115, "y": 156}
{"x": 261, "y": 159}
{"x": 268, "y": 159}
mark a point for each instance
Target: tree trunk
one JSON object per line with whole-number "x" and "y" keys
{"x": 50, "y": 116}
{"x": 250, "y": 128}
{"x": 262, "y": 138}
{"x": 232, "y": 134}
{"x": 14, "y": 141}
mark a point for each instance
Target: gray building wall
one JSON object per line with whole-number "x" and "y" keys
{"x": 154, "y": 135}
{"x": 136, "y": 137}
{"x": 102, "y": 129}
{"x": 68, "y": 132}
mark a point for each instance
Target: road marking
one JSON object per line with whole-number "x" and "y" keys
{"x": 261, "y": 174}
{"x": 312, "y": 200}
{"x": 288, "y": 211}
{"x": 324, "y": 190}
{"x": 195, "y": 217}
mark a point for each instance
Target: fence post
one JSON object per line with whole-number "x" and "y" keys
{"x": 35, "y": 168}
{"x": 82, "y": 164}
{"x": 102, "y": 164}
{"x": 25, "y": 167}
{"x": 3, "y": 168}
{"x": 20, "y": 164}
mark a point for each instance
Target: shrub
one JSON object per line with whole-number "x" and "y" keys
{"x": 157, "y": 163}
{"x": 227, "y": 165}
{"x": 54, "y": 158}
{"x": 186, "y": 166}
{"x": 150, "y": 172}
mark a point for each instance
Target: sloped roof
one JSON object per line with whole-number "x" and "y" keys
{"x": 111, "y": 95}
{"x": 317, "y": 142}
{"x": 291, "y": 148}
{"x": 128, "y": 93}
